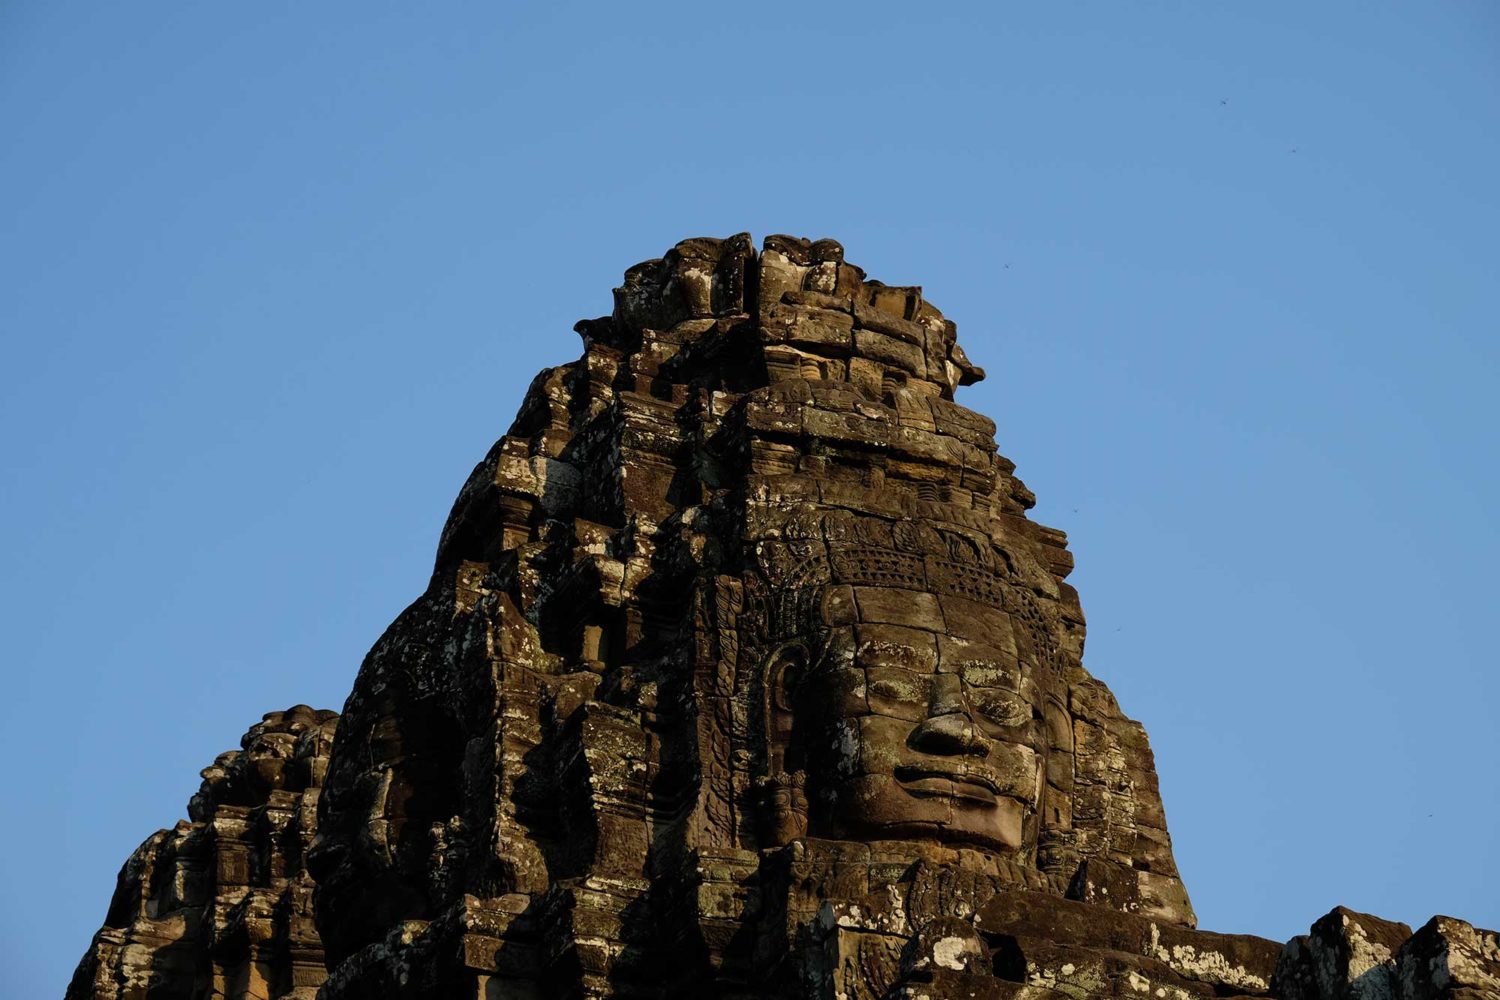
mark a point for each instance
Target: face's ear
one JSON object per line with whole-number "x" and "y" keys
{"x": 785, "y": 668}
{"x": 785, "y": 805}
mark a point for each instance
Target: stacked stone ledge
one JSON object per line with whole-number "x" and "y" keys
{"x": 221, "y": 904}
{"x": 742, "y": 672}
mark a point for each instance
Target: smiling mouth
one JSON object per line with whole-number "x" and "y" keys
{"x": 933, "y": 782}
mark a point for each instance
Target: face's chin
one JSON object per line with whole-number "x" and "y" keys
{"x": 936, "y": 802}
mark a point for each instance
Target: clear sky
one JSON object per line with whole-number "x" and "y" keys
{"x": 276, "y": 275}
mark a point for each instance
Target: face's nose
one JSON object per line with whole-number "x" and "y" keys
{"x": 948, "y": 730}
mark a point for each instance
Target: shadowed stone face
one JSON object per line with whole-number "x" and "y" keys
{"x": 930, "y": 736}
{"x": 911, "y": 702}
{"x": 924, "y": 735}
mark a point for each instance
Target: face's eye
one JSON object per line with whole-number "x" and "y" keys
{"x": 901, "y": 687}
{"x": 999, "y": 708}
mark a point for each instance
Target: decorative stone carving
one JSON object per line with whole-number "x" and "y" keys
{"x": 743, "y": 673}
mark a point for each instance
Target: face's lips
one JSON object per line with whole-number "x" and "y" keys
{"x": 957, "y": 781}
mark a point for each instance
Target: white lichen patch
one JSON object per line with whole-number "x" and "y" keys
{"x": 949, "y": 952}
{"x": 1206, "y": 966}
{"x": 1068, "y": 979}
{"x": 1364, "y": 957}
{"x": 1471, "y": 958}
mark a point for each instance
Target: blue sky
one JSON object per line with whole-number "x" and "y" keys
{"x": 277, "y": 275}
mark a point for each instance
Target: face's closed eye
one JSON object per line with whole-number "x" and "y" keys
{"x": 991, "y": 688}
{"x": 909, "y": 688}
{"x": 998, "y": 708}
{"x": 898, "y": 693}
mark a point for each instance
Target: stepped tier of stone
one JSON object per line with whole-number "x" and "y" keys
{"x": 221, "y": 904}
{"x": 742, "y": 672}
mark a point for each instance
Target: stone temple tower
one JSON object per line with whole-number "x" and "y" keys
{"x": 743, "y": 673}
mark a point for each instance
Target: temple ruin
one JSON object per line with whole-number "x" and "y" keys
{"x": 742, "y": 672}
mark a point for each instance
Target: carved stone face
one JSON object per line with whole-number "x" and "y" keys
{"x": 923, "y": 720}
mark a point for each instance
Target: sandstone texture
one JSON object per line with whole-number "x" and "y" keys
{"x": 741, "y": 673}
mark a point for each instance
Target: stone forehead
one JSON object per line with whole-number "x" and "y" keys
{"x": 816, "y": 547}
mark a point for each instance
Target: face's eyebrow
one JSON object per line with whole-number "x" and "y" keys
{"x": 960, "y": 650}
{"x": 882, "y": 675}
{"x": 988, "y": 673}
{"x": 882, "y": 644}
